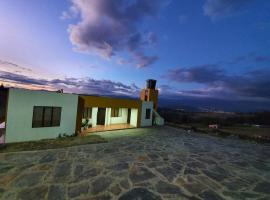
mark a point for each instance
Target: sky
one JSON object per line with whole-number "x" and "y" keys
{"x": 207, "y": 51}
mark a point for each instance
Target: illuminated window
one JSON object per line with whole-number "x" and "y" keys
{"x": 44, "y": 116}
{"x": 116, "y": 112}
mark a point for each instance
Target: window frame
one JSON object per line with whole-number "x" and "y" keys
{"x": 87, "y": 113}
{"x": 51, "y": 121}
{"x": 116, "y": 112}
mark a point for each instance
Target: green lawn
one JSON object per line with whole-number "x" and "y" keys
{"x": 52, "y": 143}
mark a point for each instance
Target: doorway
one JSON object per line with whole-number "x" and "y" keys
{"x": 128, "y": 117}
{"x": 101, "y": 116}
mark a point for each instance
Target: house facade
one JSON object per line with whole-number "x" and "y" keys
{"x": 29, "y": 115}
{"x": 35, "y": 115}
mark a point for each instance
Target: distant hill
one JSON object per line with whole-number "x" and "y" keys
{"x": 210, "y": 105}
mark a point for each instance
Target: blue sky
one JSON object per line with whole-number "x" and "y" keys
{"x": 199, "y": 48}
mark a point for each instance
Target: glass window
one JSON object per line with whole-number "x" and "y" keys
{"x": 87, "y": 113}
{"x": 37, "y": 117}
{"x": 44, "y": 116}
{"x": 56, "y": 118}
{"x": 47, "y": 120}
{"x": 148, "y": 113}
{"x": 116, "y": 112}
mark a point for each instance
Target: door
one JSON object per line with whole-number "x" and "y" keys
{"x": 101, "y": 116}
{"x": 128, "y": 117}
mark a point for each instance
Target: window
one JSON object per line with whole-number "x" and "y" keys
{"x": 87, "y": 113}
{"x": 46, "y": 116}
{"x": 146, "y": 96}
{"x": 148, "y": 113}
{"x": 56, "y": 116}
{"x": 116, "y": 112}
{"x": 37, "y": 117}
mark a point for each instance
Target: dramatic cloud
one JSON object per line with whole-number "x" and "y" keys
{"x": 200, "y": 74}
{"x": 222, "y": 8}
{"x": 144, "y": 61}
{"x": 83, "y": 85}
{"x": 107, "y": 27}
{"x": 218, "y": 83}
{"x": 9, "y": 65}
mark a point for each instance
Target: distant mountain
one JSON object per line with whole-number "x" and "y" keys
{"x": 210, "y": 105}
{"x": 193, "y": 104}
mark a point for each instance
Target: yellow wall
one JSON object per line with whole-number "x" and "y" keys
{"x": 109, "y": 102}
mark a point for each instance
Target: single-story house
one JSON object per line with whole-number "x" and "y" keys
{"x": 33, "y": 115}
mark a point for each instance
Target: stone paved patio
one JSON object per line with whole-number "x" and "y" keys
{"x": 150, "y": 163}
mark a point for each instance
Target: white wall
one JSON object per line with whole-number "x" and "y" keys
{"x": 146, "y": 105}
{"x": 133, "y": 117}
{"x": 107, "y": 116}
{"x": 20, "y": 113}
{"x": 92, "y": 121}
{"x": 122, "y": 119}
{"x": 115, "y": 120}
{"x": 94, "y": 116}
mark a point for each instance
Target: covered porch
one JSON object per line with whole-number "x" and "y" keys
{"x": 100, "y": 128}
{"x": 104, "y": 114}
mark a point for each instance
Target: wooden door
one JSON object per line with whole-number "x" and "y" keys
{"x": 101, "y": 116}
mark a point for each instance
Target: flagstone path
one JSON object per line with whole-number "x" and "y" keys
{"x": 147, "y": 163}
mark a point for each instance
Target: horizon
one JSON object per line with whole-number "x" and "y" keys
{"x": 212, "y": 53}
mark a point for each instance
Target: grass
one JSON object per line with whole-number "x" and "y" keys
{"x": 52, "y": 143}
{"x": 242, "y": 131}
{"x": 248, "y": 131}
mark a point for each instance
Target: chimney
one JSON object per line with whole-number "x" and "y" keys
{"x": 151, "y": 84}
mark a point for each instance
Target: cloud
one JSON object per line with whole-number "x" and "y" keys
{"x": 199, "y": 74}
{"x": 218, "y": 83}
{"x": 152, "y": 38}
{"x": 18, "y": 78}
{"x": 144, "y": 61}
{"x": 107, "y": 27}
{"x": 10, "y": 65}
{"x": 77, "y": 85}
{"x": 216, "y": 9}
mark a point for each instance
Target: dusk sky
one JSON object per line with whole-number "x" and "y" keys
{"x": 200, "y": 49}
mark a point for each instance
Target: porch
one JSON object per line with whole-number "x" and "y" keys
{"x": 98, "y": 119}
{"x": 100, "y": 128}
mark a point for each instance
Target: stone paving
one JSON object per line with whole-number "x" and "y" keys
{"x": 147, "y": 164}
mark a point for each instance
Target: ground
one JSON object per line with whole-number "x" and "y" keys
{"x": 146, "y": 163}
{"x": 251, "y": 132}
{"x": 52, "y": 143}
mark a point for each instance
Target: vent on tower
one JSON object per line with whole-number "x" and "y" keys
{"x": 151, "y": 84}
